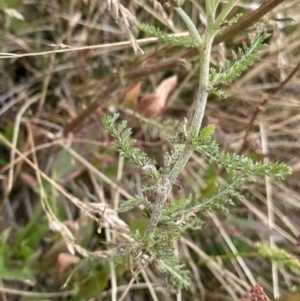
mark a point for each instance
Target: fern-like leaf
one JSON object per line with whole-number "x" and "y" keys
{"x": 124, "y": 145}
{"x": 187, "y": 42}
{"x": 243, "y": 60}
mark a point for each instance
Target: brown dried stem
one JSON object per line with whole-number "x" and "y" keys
{"x": 259, "y": 107}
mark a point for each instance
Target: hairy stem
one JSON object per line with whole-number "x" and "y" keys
{"x": 226, "y": 10}
{"x": 188, "y": 22}
{"x": 165, "y": 186}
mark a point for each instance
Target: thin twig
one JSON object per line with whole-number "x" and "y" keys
{"x": 259, "y": 107}
{"x": 129, "y": 285}
{"x": 149, "y": 285}
{"x": 10, "y": 179}
{"x": 48, "y": 145}
{"x": 65, "y": 48}
{"x": 270, "y": 205}
{"x": 2, "y": 293}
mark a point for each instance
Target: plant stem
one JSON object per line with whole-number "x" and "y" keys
{"x": 224, "y": 13}
{"x": 190, "y": 25}
{"x": 199, "y": 109}
{"x": 165, "y": 185}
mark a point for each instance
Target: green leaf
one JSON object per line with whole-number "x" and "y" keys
{"x": 244, "y": 59}
{"x": 207, "y": 132}
{"x": 187, "y": 42}
{"x": 176, "y": 275}
{"x": 130, "y": 204}
{"x": 17, "y": 274}
{"x": 124, "y": 145}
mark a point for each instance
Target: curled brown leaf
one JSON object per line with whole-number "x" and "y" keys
{"x": 154, "y": 104}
